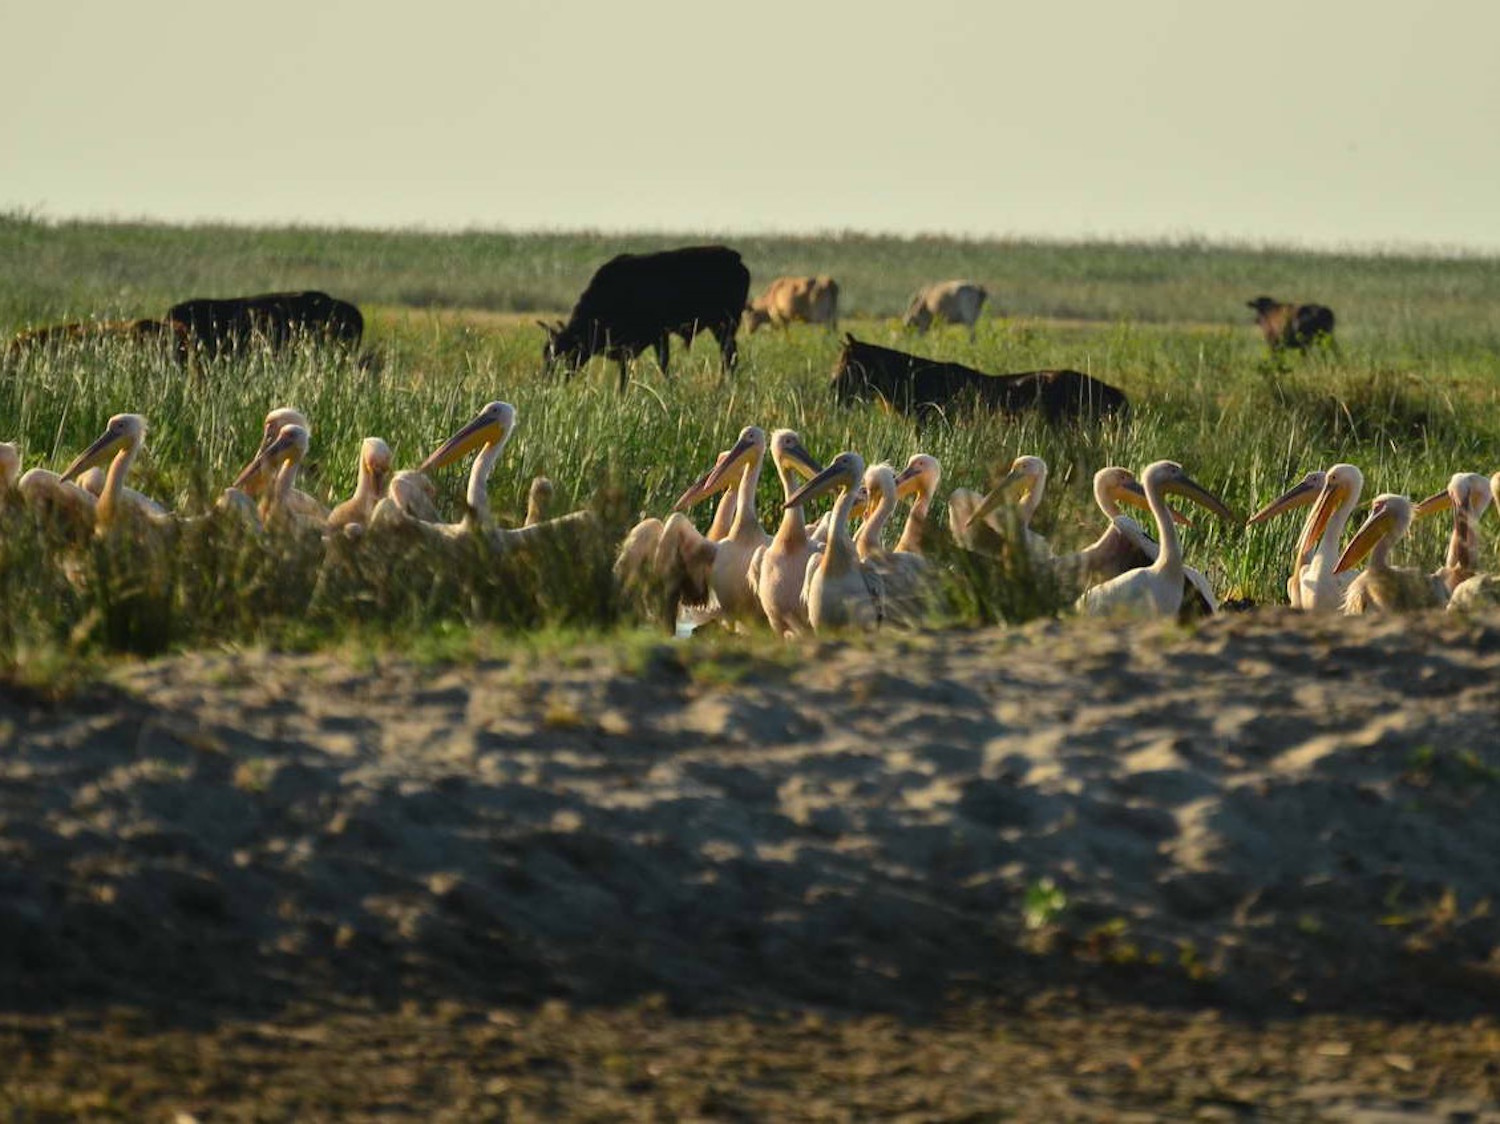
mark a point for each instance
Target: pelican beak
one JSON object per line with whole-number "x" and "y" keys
{"x": 831, "y": 477}
{"x": 1328, "y": 501}
{"x": 1433, "y": 504}
{"x": 483, "y": 430}
{"x": 1134, "y": 495}
{"x": 1300, "y": 496}
{"x": 105, "y": 444}
{"x": 724, "y": 474}
{"x": 1189, "y": 488}
{"x": 267, "y": 456}
{"x": 908, "y": 480}
{"x": 802, "y": 460}
{"x": 997, "y": 495}
{"x": 1380, "y": 523}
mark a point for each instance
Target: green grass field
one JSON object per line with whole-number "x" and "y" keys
{"x": 1411, "y": 397}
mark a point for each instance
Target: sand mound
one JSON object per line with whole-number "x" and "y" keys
{"x": 1270, "y": 812}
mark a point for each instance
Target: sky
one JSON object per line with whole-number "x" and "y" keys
{"x": 1324, "y": 123}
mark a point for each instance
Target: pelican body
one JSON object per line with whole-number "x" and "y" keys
{"x": 840, "y": 591}
{"x": 1381, "y": 587}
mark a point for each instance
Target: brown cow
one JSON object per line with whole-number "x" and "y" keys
{"x": 1292, "y": 325}
{"x": 957, "y": 302}
{"x": 142, "y": 332}
{"x": 787, "y": 300}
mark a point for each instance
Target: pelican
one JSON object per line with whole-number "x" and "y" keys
{"x": 903, "y": 576}
{"x": 488, "y": 431}
{"x": 1467, "y": 494}
{"x": 840, "y": 591}
{"x": 538, "y": 501}
{"x": 1028, "y": 477}
{"x": 920, "y": 477}
{"x": 779, "y": 568}
{"x": 731, "y": 573}
{"x": 1381, "y": 586}
{"x": 10, "y": 471}
{"x": 256, "y": 485}
{"x": 280, "y": 461}
{"x": 1157, "y": 589}
{"x": 1314, "y": 586}
{"x": 120, "y": 443}
{"x": 1124, "y": 545}
{"x": 374, "y": 467}
{"x": 1481, "y": 589}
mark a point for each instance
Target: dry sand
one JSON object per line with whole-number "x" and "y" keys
{"x": 1269, "y": 818}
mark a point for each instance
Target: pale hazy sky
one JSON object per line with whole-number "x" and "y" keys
{"x": 1320, "y": 123}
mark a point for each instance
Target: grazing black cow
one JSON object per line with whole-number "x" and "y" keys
{"x": 636, "y": 301}
{"x": 925, "y": 387}
{"x": 1292, "y": 325}
{"x": 278, "y": 320}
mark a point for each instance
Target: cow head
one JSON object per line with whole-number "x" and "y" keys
{"x": 755, "y": 317}
{"x": 560, "y": 346}
{"x": 1262, "y": 305}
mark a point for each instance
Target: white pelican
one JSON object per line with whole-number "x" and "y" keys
{"x": 1157, "y": 589}
{"x": 488, "y": 431}
{"x": 120, "y": 442}
{"x": 1314, "y": 586}
{"x": 920, "y": 477}
{"x": 1481, "y": 589}
{"x": 280, "y": 461}
{"x": 779, "y": 569}
{"x": 1124, "y": 545}
{"x": 1381, "y": 586}
{"x": 903, "y": 576}
{"x": 1468, "y": 495}
{"x": 1028, "y": 479}
{"x": 374, "y": 469}
{"x": 257, "y": 484}
{"x": 731, "y": 573}
{"x": 10, "y": 471}
{"x": 841, "y": 592}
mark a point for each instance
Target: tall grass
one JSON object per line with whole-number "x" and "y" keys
{"x": 1409, "y": 397}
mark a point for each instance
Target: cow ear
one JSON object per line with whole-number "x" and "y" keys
{"x": 548, "y": 328}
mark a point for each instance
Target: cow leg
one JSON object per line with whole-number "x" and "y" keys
{"x": 663, "y": 351}
{"x": 624, "y": 362}
{"x": 728, "y": 347}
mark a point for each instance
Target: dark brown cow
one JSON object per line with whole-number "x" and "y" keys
{"x": 1292, "y": 325}
{"x": 228, "y": 325}
{"x": 923, "y": 388}
{"x": 146, "y": 333}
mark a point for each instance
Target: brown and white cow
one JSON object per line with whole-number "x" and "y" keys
{"x": 788, "y": 300}
{"x": 956, "y": 302}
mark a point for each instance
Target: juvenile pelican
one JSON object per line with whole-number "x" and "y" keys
{"x": 1157, "y": 589}
{"x": 120, "y": 442}
{"x": 731, "y": 573}
{"x": 840, "y": 591}
{"x": 779, "y": 569}
{"x": 920, "y": 477}
{"x": 1124, "y": 545}
{"x": 280, "y": 460}
{"x": 903, "y": 576}
{"x": 1381, "y": 586}
{"x": 1027, "y": 479}
{"x": 538, "y": 501}
{"x": 257, "y": 484}
{"x": 1468, "y": 495}
{"x": 1315, "y": 586}
{"x": 374, "y": 470}
{"x": 1481, "y": 589}
{"x": 10, "y": 471}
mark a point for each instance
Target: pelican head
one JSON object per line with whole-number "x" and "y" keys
{"x": 1340, "y": 490}
{"x": 1115, "y": 485}
{"x": 123, "y": 431}
{"x": 375, "y": 458}
{"x": 1390, "y": 516}
{"x": 10, "y": 466}
{"x": 279, "y": 417}
{"x": 1027, "y": 476}
{"x": 1468, "y": 492}
{"x": 490, "y": 427}
{"x": 290, "y": 444}
{"x": 845, "y": 471}
{"x": 1299, "y": 495}
{"x": 921, "y": 474}
{"x": 1170, "y": 477}
{"x": 729, "y": 468}
{"x": 788, "y": 452}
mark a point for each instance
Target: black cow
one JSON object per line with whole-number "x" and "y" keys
{"x": 924, "y": 387}
{"x": 278, "y": 320}
{"x": 1292, "y": 325}
{"x": 637, "y": 301}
